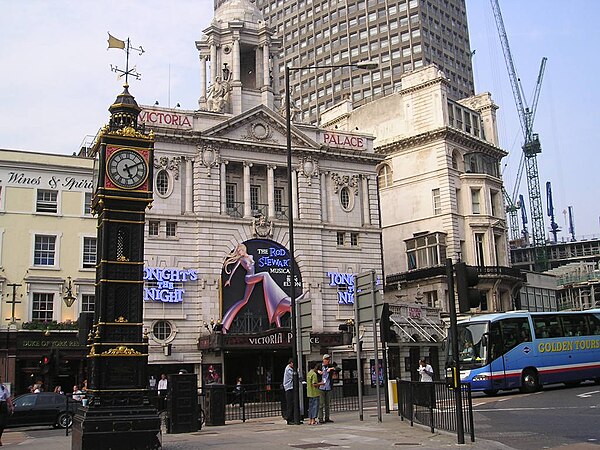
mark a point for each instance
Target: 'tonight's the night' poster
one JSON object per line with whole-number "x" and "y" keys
{"x": 256, "y": 284}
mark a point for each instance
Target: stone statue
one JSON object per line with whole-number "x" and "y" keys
{"x": 218, "y": 95}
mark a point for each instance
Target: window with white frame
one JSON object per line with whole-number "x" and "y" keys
{"x": 230, "y": 189}
{"x": 278, "y": 199}
{"x": 431, "y": 298}
{"x": 255, "y": 199}
{"x": 426, "y": 251}
{"x": 44, "y": 250}
{"x": 87, "y": 205}
{"x": 385, "y": 176}
{"x": 341, "y": 238}
{"x": 480, "y": 248}
{"x": 494, "y": 202}
{"x": 89, "y": 252}
{"x": 162, "y": 330}
{"x": 437, "y": 202}
{"x": 346, "y": 198}
{"x": 88, "y": 302}
{"x": 42, "y": 308}
{"x": 153, "y": 227}
{"x": 162, "y": 183}
{"x": 354, "y": 239}
{"x": 47, "y": 201}
{"x": 476, "y": 201}
{"x": 171, "y": 230}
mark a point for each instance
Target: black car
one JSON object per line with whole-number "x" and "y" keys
{"x": 45, "y": 408}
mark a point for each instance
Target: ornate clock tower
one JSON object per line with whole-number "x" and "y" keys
{"x": 118, "y": 414}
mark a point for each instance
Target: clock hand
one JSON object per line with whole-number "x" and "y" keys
{"x": 128, "y": 168}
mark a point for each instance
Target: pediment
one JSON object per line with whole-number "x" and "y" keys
{"x": 259, "y": 125}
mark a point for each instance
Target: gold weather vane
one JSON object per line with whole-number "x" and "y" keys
{"x": 113, "y": 42}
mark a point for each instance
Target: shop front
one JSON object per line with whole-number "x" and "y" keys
{"x": 52, "y": 358}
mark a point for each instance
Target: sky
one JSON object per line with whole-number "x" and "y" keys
{"x": 56, "y": 83}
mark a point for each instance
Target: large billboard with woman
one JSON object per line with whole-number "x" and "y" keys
{"x": 255, "y": 286}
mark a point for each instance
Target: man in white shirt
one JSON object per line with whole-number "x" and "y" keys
{"x": 426, "y": 371}
{"x": 162, "y": 384}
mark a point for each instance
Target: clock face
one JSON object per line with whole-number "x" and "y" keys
{"x": 127, "y": 169}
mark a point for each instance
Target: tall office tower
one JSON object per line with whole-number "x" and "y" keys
{"x": 401, "y": 35}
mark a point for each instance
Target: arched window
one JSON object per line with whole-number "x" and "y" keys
{"x": 385, "y": 176}
{"x": 162, "y": 183}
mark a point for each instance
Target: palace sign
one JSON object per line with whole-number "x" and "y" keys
{"x": 342, "y": 140}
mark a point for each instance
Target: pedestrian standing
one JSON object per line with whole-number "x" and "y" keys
{"x": 288, "y": 387}
{"x": 237, "y": 392}
{"x": 326, "y": 387}
{"x": 6, "y": 407}
{"x": 425, "y": 371}
{"x": 313, "y": 393}
{"x": 162, "y": 391}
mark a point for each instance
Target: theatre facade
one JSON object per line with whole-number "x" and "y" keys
{"x": 218, "y": 257}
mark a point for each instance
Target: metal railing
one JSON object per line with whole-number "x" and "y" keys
{"x": 434, "y": 405}
{"x": 235, "y": 209}
{"x": 255, "y": 401}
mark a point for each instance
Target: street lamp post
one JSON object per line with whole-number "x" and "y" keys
{"x": 365, "y": 65}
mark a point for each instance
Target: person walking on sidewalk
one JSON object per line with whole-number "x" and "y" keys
{"x": 313, "y": 393}
{"x": 6, "y": 407}
{"x": 288, "y": 387}
{"x": 326, "y": 373}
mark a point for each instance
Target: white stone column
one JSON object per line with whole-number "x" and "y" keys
{"x": 223, "y": 186}
{"x": 236, "y": 59}
{"x": 247, "y": 205}
{"x": 258, "y": 67}
{"x": 275, "y": 73}
{"x": 324, "y": 199}
{"x": 202, "y": 77}
{"x": 266, "y": 81}
{"x": 189, "y": 186}
{"x": 366, "y": 203}
{"x": 295, "y": 193}
{"x": 271, "y": 191}
{"x": 214, "y": 65}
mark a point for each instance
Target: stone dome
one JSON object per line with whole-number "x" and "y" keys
{"x": 243, "y": 10}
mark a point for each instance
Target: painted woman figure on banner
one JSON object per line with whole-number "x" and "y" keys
{"x": 277, "y": 302}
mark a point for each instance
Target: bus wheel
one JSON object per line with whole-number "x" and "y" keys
{"x": 530, "y": 381}
{"x": 490, "y": 392}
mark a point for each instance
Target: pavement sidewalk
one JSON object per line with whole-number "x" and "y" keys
{"x": 347, "y": 432}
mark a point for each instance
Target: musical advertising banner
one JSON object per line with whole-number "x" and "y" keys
{"x": 255, "y": 285}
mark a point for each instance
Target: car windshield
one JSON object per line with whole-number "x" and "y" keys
{"x": 472, "y": 349}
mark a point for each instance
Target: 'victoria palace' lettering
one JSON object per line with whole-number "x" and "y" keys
{"x": 166, "y": 284}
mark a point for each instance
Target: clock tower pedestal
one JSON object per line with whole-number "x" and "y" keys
{"x": 118, "y": 414}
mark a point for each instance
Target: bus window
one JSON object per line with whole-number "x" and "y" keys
{"x": 594, "y": 321}
{"x": 495, "y": 341}
{"x": 574, "y": 325}
{"x": 514, "y": 332}
{"x": 547, "y": 327}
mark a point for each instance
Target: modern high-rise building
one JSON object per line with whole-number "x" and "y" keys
{"x": 401, "y": 35}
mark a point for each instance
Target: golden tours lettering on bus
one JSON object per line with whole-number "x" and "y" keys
{"x": 569, "y": 346}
